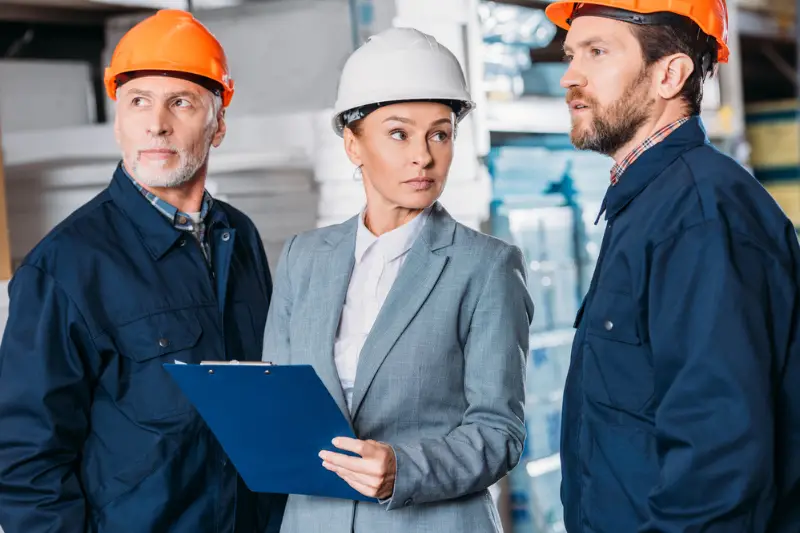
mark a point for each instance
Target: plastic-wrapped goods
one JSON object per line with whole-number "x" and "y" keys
{"x": 509, "y": 33}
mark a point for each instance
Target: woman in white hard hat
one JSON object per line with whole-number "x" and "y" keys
{"x": 417, "y": 325}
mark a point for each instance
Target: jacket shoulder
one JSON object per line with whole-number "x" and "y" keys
{"x": 479, "y": 244}
{"x": 706, "y": 186}
{"x": 314, "y": 239}
{"x": 69, "y": 238}
{"x": 728, "y": 193}
{"x": 299, "y": 248}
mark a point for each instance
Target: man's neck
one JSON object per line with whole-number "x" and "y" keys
{"x": 186, "y": 198}
{"x": 648, "y": 129}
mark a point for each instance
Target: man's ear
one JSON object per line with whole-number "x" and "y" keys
{"x": 674, "y": 71}
{"x": 352, "y": 147}
{"x": 222, "y": 128}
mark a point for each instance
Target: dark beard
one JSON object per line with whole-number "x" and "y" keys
{"x": 615, "y": 126}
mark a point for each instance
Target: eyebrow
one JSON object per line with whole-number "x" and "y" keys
{"x": 442, "y": 121}
{"x": 591, "y": 41}
{"x": 399, "y": 119}
{"x": 405, "y": 120}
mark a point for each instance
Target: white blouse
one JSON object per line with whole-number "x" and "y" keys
{"x": 377, "y": 264}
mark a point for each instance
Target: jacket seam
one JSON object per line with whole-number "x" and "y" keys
{"x": 713, "y": 222}
{"x": 69, "y": 222}
{"x": 107, "y": 330}
{"x": 696, "y": 188}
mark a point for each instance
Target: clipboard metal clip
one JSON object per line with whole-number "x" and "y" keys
{"x": 235, "y": 362}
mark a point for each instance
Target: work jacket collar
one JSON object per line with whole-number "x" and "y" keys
{"x": 650, "y": 164}
{"x": 155, "y": 231}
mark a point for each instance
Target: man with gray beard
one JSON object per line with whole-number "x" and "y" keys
{"x": 94, "y": 435}
{"x": 682, "y": 406}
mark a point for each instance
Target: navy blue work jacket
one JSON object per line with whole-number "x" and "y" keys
{"x": 94, "y": 434}
{"x": 682, "y": 404}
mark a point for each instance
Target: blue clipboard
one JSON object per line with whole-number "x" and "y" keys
{"x": 272, "y": 421}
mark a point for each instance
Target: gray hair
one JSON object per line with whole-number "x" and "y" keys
{"x": 216, "y": 108}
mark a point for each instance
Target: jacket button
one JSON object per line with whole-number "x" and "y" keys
{"x": 183, "y": 242}
{"x": 226, "y": 236}
{"x": 163, "y": 342}
{"x": 608, "y": 325}
{"x": 408, "y": 502}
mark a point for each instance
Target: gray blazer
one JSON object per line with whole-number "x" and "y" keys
{"x": 440, "y": 377}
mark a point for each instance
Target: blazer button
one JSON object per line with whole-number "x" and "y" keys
{"x": 163, "y": 342}
{"x": 608, "y": 325}
{"x": 408, "y": 502}
{"x": 226, "y": 236}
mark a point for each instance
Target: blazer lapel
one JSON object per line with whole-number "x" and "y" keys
{"x": 329, "y": 281}
{"x": 416, "y": 280}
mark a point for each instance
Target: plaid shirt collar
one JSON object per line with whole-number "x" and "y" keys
{"x": 178, "y": 219}
{"x": 657, "y": 137}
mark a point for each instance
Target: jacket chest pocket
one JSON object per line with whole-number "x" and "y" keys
{"x": 617, "y": 367}
{"x": 145, "y": 345}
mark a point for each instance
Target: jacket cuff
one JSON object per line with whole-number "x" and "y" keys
{"x": 403, "y": 493}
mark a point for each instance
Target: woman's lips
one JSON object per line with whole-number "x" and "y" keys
{"x": 420, "y": 184}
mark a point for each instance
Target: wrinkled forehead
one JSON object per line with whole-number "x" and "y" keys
{"x": 589, "y": 31}
{"x": 164, "y": 87}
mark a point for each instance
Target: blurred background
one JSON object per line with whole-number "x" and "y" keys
{"x": 515, "y": 174}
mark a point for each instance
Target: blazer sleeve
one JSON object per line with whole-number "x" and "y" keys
{"x": 276, "y": 332}
{"x": 45, "y": 396}
{"x": 489, "y": 441}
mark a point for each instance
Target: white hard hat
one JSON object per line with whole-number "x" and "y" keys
{"x": 396, "y": 65}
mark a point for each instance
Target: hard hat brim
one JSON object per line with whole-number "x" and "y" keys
{"x": 560, "y": 12}
{"x": 339, "y": 125}
{"x": 118, "y": 80}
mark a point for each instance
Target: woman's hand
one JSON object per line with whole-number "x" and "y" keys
{"x": 372, "y": 474}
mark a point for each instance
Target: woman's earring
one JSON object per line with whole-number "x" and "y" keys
{"x": 358, "y": 174}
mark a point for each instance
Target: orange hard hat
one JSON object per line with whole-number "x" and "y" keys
{"x": 710, "y": 15}
{"x": 171, "y": 41}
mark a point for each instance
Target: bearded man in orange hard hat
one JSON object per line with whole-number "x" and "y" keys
{"x": 682, "y": 408}
{"x": 95, "y": 436}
